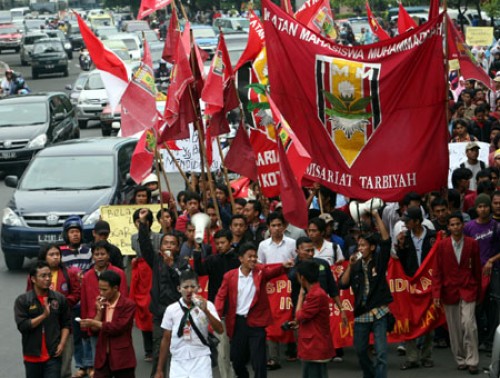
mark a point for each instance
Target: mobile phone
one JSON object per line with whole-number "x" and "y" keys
{"x": 77, "y": 319}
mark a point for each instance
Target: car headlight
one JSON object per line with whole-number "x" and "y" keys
{"x": 91, "y": 219}
{"x": 38, "y": 142}
{"x": 67, "y": 46}
{"x": 10, "y": 218}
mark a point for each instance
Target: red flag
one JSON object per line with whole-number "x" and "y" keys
{"x": 405, "y": 22}
{"x": 178, "y": 98}
{"x": 433, "y": 9}
{"x": 140, "y": 97}
{"x": 255, "y": 42}
{"x": 113, "y": 71}
{"x": 218, "y": 76}
{"x": 294, "y": 161}
{"x": 317, "y": 16}
{"x": 375, "y": 26}
{"x": 240, "y": 157}
{"x": 173, "y": 34}
{"x": 143, "y": 156}
{"x": 150, "y": 6}
{"x": 469, "y": 67}
{"x": 348, "y": 107}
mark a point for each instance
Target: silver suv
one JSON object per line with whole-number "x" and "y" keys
{"x": 27, "y": 44}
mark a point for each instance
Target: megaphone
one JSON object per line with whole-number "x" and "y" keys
{"x": 357, "y": 209}
{"x": 200, "y": 221}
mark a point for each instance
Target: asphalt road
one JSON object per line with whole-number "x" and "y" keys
{"x": 14, "y": 283}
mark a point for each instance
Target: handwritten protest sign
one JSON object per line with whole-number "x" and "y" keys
{"x": 188, "y": 156}
{"x": 479, "y": 36}
{"x": 122, "y": 227}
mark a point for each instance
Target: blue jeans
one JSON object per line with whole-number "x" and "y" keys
{"x": 377, "y": 368}
{"x": 49, "y": 369}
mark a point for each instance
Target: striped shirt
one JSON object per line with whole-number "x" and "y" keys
{"x": 81, "y": 258}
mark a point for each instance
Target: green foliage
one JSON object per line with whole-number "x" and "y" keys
{"x": 258, "y": 88}
{"x": 492, "y": 8}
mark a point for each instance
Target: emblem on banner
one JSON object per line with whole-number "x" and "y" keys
{"x": 348, "y": 103}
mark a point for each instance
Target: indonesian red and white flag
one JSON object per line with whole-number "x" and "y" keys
{"x": 317, "y": 15}
{"x": 255, "y": 43}
{"x": 149, "y": 6}
{"x": 374, "y": 25}
{"x": 139, "y": 98}
{"x": 405, "y": 22}
{"x": 114, "y": 73}
{"x": 358, "y": 110}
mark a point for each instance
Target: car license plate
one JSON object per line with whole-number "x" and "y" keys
{"x": 7, "y": 155}
{"x": 49, "y": 238}
{"x": 48, "y": 66}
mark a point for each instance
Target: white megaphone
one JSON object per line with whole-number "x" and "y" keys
{"x": 200, "y": 221}
{"x": 357, "y": 209}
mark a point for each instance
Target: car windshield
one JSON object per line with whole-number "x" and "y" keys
{"x": 8, "y": 30}
{"x": 19, "y": 114}
{"x": 69, "y": 173}
{"x": 31, "y": 40}
{"x": 244, "y": 24}
{"x": 94, "y": 82}
{"x": 47, "y": 47}
{"x": 122, "y": 54}
{"x": 130, "y": 43}
{"x": 56, "y": 34}
{"x": 204, "y": 33}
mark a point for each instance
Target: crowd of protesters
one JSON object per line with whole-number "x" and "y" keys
{"x": 81, "y": 300}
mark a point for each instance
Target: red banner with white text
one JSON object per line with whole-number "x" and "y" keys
{"x": 371, "y": 117}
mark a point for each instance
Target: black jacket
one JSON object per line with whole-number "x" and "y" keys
{"x": 215, "y": 266}
{"x": 379, "y": 293}
{"x": 27, "y": 307}
{"x": 165, "y": 278}
{"x": 325, "y": 279}
{"x": 408, "y": 254}
{"x": 115, "y": 255}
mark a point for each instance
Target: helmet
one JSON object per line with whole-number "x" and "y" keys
{"x": 73, "y": 221}
{"x": 149, "y": 179}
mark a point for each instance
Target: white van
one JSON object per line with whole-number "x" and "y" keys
{"x": 132, "y": 41}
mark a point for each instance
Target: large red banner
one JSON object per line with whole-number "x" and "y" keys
{"x": 371, "y": 117}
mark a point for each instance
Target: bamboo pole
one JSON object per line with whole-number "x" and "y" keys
{"x": 226, "y": 177}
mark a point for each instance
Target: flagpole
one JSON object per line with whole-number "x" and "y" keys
{"x": 226, "y": 177}
{"x": 165, "y": 177}
{"x": 157, "y": 155}
{"x": 446, "y": 62}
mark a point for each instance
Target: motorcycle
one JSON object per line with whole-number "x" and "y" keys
{"x": 85, "y": 61}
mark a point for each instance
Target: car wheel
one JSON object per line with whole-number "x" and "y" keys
{"x": 14, "y": 262}
{"x": 18, "y": 49}
{"x": 105, "y": 131}
{"x": 34, "y": 74}
{"x": 65, "y": 72}
{"x": 82, "y": 124}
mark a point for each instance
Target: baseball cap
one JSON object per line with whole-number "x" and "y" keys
{"x": 471, "y": 145}
{"x": 101, "y": 227}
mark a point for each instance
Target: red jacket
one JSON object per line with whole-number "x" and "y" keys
{"x": 451, "y": 281}
{"x": 117, "y": 335}
{"x": 259, "y": 314}
{"x": 70, "y": 290}
{"x": 315, "y": 340}
{"x": 90, "y": 291}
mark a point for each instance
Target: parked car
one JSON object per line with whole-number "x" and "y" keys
{"x": 74, "y": 36}
{"x": 29, "y": 123}
{"x": 155, "y": 45}
{"x": 10, "y": 37}
{"x": 71, "y": 178}
{"x": 48, "y": 56}
{"x": 64, "y": 40}
{"x": 231, "y": 25}
{"x": 92, "y": 100}
{"x": 205, "y": 38}
{"x": 27, "y": 43}
{"x": 77, "y": 87}
{"x": 111, "y": 121}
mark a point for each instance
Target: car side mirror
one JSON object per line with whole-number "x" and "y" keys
{"x": 11, "y": 181}
{"x": 78, "y": 88}
{"x": 69, "y": 87}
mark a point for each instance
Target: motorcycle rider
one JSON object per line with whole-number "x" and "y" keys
{"x": 13, "y": 83}
{"x": 75, "y": 254}
{"x": 84, "y": 59}
{"x": 162, "y": 76}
